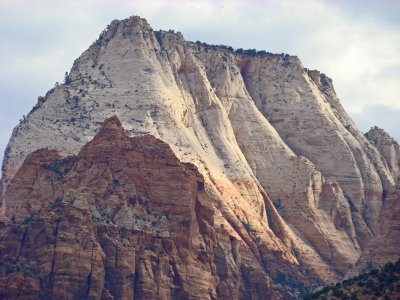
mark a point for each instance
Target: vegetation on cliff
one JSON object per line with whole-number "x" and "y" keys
{"x": 376, "y": 284}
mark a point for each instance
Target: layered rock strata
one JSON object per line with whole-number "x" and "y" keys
{"x": 384, "y": 245}
{"x": 287, "y": 172}
{"x": 388, "y": 148}
{"x": 122, "y": 220}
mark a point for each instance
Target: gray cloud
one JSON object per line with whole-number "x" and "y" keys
{"x": 356, "y": 43}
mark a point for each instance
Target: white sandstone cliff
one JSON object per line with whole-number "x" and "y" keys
{"x": 261, "y": 129}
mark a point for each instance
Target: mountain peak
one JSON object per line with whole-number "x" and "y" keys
{"x": 289, "y": 181}
{"x": 111, "y": 123}
{"x": 376, "y": 133}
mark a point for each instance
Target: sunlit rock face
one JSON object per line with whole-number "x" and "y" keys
{"x": 291, "y": 186}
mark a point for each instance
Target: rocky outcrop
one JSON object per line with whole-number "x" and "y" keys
{"x": 303, "y": 108}
{"x": 384, "y": 246}
{"x": 289, "y": 179}
{"x": 122, "y": 220}
{"x": 388, "y": 148}
{"x": 305, "y": 199}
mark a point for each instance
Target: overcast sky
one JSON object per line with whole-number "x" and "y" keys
{"x": 356, "y": 43}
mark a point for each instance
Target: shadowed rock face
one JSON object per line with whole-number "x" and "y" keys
{"x": 289, "y": 191}
{"x": 384, "y": 246}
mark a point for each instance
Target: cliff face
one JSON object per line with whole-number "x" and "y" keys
{"x": 124, "y": 219}
{"x": 288, "y": 178}
{"x": 384, "y": 245}
{"x": 388, "y": 148}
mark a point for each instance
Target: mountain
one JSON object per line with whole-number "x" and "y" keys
{"x": 123, "y": 219}
{"x": 290, "y": 195}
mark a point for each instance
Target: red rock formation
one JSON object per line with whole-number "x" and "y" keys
{"x": 122, "y": 220}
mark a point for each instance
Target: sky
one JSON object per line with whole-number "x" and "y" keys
{"x": 354, "y": 42}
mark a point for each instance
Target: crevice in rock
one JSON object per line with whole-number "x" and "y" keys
{"x": 53, "y": 260}
{"x": 89, "y": 276}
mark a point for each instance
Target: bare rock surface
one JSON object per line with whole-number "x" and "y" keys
{"x": 388, "y": 148}
{"x": 384, "y": 246}
{"x": 122, "y": 220}
{"x": 290, "y": 186}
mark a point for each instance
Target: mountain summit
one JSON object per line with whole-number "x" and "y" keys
{"x": 217, "y": 174}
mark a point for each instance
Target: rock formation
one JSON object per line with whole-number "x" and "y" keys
{"x": 388, "y": 148}
{"x": 122, "y": 220}
{"x": 290, "y": 191}
{"x": 384, "y": 245}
